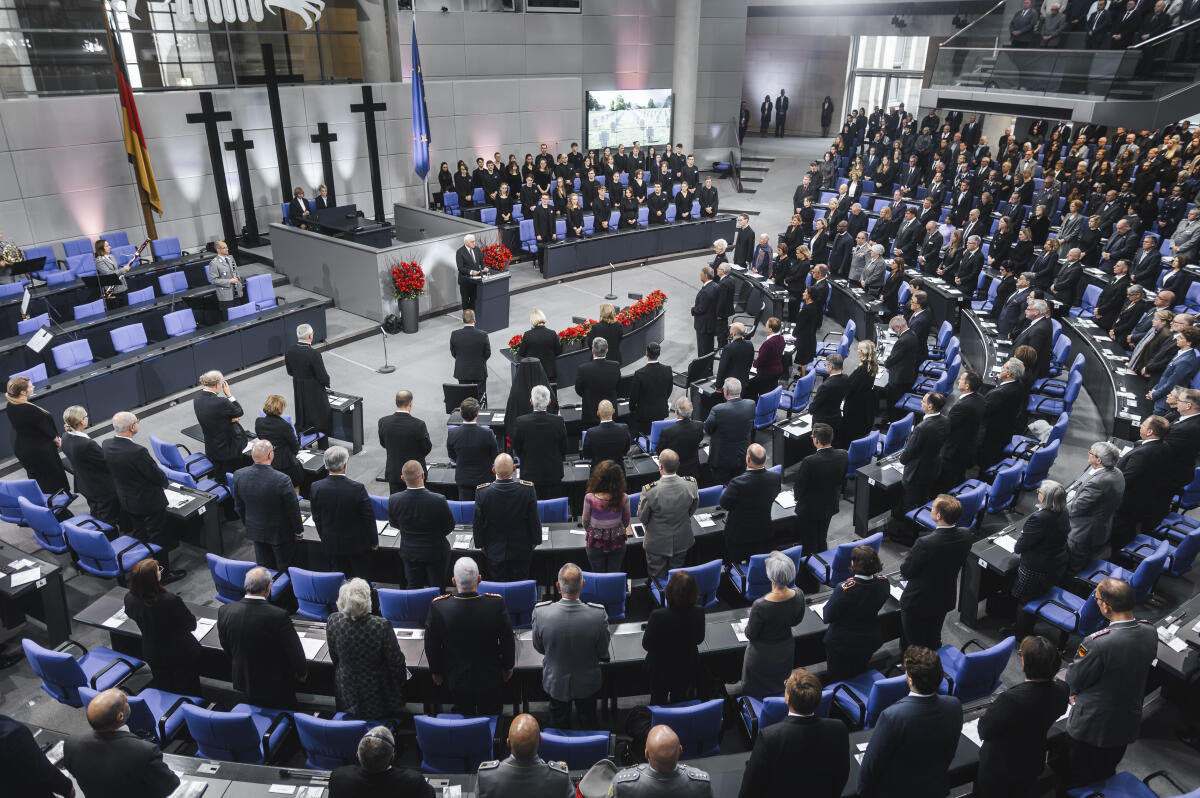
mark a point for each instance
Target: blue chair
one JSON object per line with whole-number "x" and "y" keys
{"x": 141, "y": 295}
{"x": 329, "y": 743}
{"x": 1141, "y": 580}
{"x": 560, "y": 229}
{"x": 936, "y": 367}
{"x": 47, "y": 252}
{"x": 635, "y": 499}
{"x": 976, "y": 675}
{"x": 579, "y": 749}
{"x": 897, "y": 435}
{"x": 606, "y": 589}
{"x": 172, "y": 455}
{"x": 172, "y": 283}
{"x": 1053, "y": 406}
{"x": 527, "y": 235}
{"x": 1066, "y": 611}
{"x": 89, "y": 309}
{"x": 153, "y": 713}
{"x": 82, "y": 265}
{"x": 246, "y": 733}
{"x": 1127, "y": 785}
{"x": 861, "y": 452}
{"x": 47, "y": 530}
{"x": 454, "y": 744}
{"x": 316, "y": 592}
{"x": 833, "y": 567}
{"x": 799, "y": 396}
{"x": 1091, "y": 295}
{"x": 260, "y": 291}
{"x": 13, "y": 489}
{"x": 229, "y": 578}
{"x": 100, "y": 557}
{"x": 79, "y": 246}
{"x": 553, "y": 511}
{"x": 767, "y": 408}
{"x": 945, "y": 332}
{"x": 203, "y": 484}
{"x": 589, "y": 224}
{"x": 128, "y": 338}
{"x": 757, "y": 714}
{"x": 477, "y": 196}
{"x": 710, "y": 496}
{"x": 650, "y": 444}
{"x": 696, "y": 724}
{"x": 1003, "y": 490}
{"x": 181, "y": 322}
{"x": 463, "y": 512}
{"x": 487, "y": 215}
{"x": 517, "y": 211}
{"x": 863, "y": 698}
{"x": 708, "y": 579}
{"x": 72, "y": 355}
{"x": 1189, "y": 495}
{"x": 971, "y": 494}
{"x": 116, "y": 239}
{"x": 36, "y": 374}
{"x": 1022, "y": 446}
{"x": 1180, "y": 557}
{"x": 33, "y": 323}
{"x": 241, "y": 311}
{"x": 62, "y": 675}
{"x": 124, "y": 254}
{"x": 406, "y": 609}
{"x": 750, "y": 578}
{"x": 847, "y": 335}
{"x": 450, "y": 201}
{"x": 166, "y": 248}
{"x": 519, "y": 599}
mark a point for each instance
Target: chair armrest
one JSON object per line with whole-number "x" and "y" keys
{"x": 118, "y": 661}
{"x": 199, "y": 472}
{"x": 949, "y": 683}
{"x": 862, "y": 708}
{"x": 1060, "y": 605}
{"x": 90, "y": 522}
{"x": 63, "y": 646}
{"x": 1163, "y": 775}
{"x": 183, "y": 449}
{"x": 129, "y": 549}
{"x": 744, "y": 710}
{"x": 963, "y": 647}
{"x": 162, "y": 722}
{"x": 1099, "y": 572}
{"x": 282, "y": 717}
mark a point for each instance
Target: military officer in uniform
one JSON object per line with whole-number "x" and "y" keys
{"x": 852, "y": 615}
{"x": 666, "y": 511}
{"x": 524, "y": 773}
{"x": 506, "y": 524}
{"x": 223, "y": 274}
{"x": 469, "y": 644}
{"x": 1107, "y": 681}
{"x": 572, "y": 636}
{"x": 662, "y": 775}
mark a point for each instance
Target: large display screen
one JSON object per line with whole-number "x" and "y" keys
{"x": 629, "y": 115}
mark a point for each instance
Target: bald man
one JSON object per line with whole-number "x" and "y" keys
{"x": 662, "y": 774}
{"x": 524, "y": 773}
{"x": 748, "y": 498}
{"x": 112, "y": 761}
{"x": 506, "y": 523}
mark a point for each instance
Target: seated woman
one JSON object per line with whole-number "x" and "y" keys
{"x": 106, "y": 263}
{"x": 298, "y": 211}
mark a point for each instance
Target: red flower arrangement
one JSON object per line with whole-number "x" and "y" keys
{"x": 408, "y": 280}
{"x": 642, "y": 309}
{"x": 496, "y": 257}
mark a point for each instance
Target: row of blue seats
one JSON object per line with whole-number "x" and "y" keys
{"x": 79, "y": 252}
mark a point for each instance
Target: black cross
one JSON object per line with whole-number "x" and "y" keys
{"x": 209, "y": 117}
{"x": 368, "y": 107}
{"x": 324, "y": 137}
{"x": 238, "y": 147}
{"x": 272, "y": 81}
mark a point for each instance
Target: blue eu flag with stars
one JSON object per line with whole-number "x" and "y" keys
{"x": 420, "y": 114}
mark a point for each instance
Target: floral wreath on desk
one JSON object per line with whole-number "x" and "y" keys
{"x": 408, "y": 280}
{"x": 496, "y": 257}
{"x": 631, "y": 316}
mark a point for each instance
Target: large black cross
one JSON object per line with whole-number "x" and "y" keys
{"x": 272, "y": 81}
{"x": 238, "y": 147}
{"x": 368, "y": 107}
{"x": 209, "y": 117}
{"x": 324, "y": 137}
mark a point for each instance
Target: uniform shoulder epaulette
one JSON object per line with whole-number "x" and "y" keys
{"x": 649, "y": 486}
{"x": 493, "y": 595}
{"x": 1147, "y": 623}
{"x": 628, "y": 774}
{"x": 482, "y": 486}
{"x": 489, "y": 765}
{"x": 695, "y": 774}
{"x": 443, "y": 596}
{"x": 690, "y": 479}
{"x": 561, "y": 767}
{"x": 849, "y": 583}
{"x": 597, "y": 606}
{"x": 525, "y": 482}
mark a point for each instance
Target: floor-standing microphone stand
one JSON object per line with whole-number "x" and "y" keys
{"x": 385, "y": 368}
{"x": 610, "y": 296}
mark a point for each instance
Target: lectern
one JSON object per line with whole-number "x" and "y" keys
{"x": 491, "y": 301}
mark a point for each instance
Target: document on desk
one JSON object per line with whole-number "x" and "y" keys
{"x": 970, "y": 730}
{"x": 175, "y": 500}
{"x": 20, "y": 565}
{"x": 308, "y": 520}
{"x": 410, "y": 634}
{"x": 628, "y": 628}
{"x": 203, "y": 627}
{"x": 896, "y": 591}
{"x": 389, "y": 531}
{"x": 338, "y": 401}
{"x": 739, "y": 630}
{"x": 462, "y": 542}
{"x": 497, "y": 418}
{"x": 786, "y": 500}
{"x": 1007, "y": 542}
{"x": 116, "y": 620}
{"x": 305, "y": 455}
{"x": 819, "y": 609}
{"x": 705, "y": 521}
{"x": 25, "y": 577}
{"x": 312, "y": 645}
{"x": 189, "y": 788}
{"x": 897, "y": 467}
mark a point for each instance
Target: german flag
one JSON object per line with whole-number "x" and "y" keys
{"x": 135, "y": 142}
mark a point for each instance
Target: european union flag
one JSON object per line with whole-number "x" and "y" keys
{"x": 420, "y": 114}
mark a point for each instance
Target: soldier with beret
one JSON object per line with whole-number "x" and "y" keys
{"x": 572, "y": 636}
{"x": 524, "y": 773}
{"x": 662, "y": 775}
{"x": 506, "y": 524}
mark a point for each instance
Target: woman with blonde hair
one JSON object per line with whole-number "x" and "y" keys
{"x": 610, "y": 330}
{"x": 541, "y": 342}
{"x": 35, "y": 438}
{"x": 574, "y": 217}
{"x": 859, "y": 406}
{"x": 273, "y": 427}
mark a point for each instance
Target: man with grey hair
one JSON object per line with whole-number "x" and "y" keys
{"x": 469, "y": 263}
{"x": 596, "y": 381}
{"x": 345, "y": 520}
{"x": 729, "y": 426}
{"x": 684, "y": 437}
{"x": 219, "y": 413}
{"x": 748, "y": 498}
{"x": 1038, "y": 335}
{"x": 572, "y": 636}
{"x": 1186, "y": 237}
{"x": 1069, "y": 274}
{"x": 874, "y": 270}
{"x": 310, "y": 383}
{"x": 704, "y": 312}
{"x": 540, "y": 441}
{"x": 1092, "y": 503}
{"x": 469, "y": 644}
{"x": 728, "y": 293}
{"x": 265, "y": 500}
{"x": 902, "y": 362}
{"x": 737, "y": 356}
{"x": 264, "y": 648}
{"x": 666, "y": 509}
{"x": 374, "y": 775}
{"x": 1002, "y": 407}
{"x": 967, "y": 274}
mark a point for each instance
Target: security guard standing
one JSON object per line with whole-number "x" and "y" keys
{"x": 1107, "y": 681}
{"x": 523, "y": 772}
{"x": 506, "y": 524}
{"x": 662, "y": 775}
{"x": 573, "y": 637}
{"x": 469, "y": 644}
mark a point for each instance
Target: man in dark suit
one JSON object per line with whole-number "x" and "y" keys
{"x": 1098, "y": 27}
{"x": 908, "y": 236}
{"x": 1183, "y": 439}
{"x": 219, "y": 413}
{"x": 470, "y": 348}
{"x": 540, "y": 442}
{"x": 704, "y": 312}
{"x": 650, "y": 390}
{"x": 1002, "y": 406}
{"x": 931, "y": 569}
{"x": 901, "y": 362}
{"x": 915, "y": 739}
{"x": 309, "y": 383}
{"x": 1112, "y": 297}
{"x": 265, "y": 649}
{"x": 743, "y": 241}
{"x": 92, "y": 477}
{"x": 1012, "y": 310}
{"x": 472, "y": 448}
{"x": 1147, "y": 496}
{"x": 506, "y": 525}
{"x": 140, "y": 484}
{"x": 544, "y": 220}
{"x": 27, "y": 771}
{"x": 819, "y": 290}
{"x": 826, "y": 404}
{"x": 931, "y": 249}
{"x": 265, "y": 500}
{"x": 965, "y": 418}
{"x": 729, "y": 426}
{"x": 818, "y": 488}
{"x": 1123, "y": 245}
{"x": 469, "y": 262}
{"x": 920, "y": 322}
{"x": 1038, "y": 335}
{"x": 608, "y": 440}
{"x": 969, "y": 267}
{"x": 345, "y": 520}
{"x": 727, "y": 290}
{"x": 111, "y": 761}
{"x": 747, "y": 498}
{"x": 737, "y": 357}
{"x": 596, "y": 381}
{"x": 683, "y": 437}
{"x": 404, "y": 437}
{"x": 841, "y": 249}
{"x": 424, "y": 520}
{"x": 801, "y": 747}
{"x": 922, "y": 452}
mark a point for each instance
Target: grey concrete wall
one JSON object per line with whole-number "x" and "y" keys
{"x": 806, "y": 67}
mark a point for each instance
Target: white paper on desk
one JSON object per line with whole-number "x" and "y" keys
{"x": 786, "y": 500}
{"x": 305, "y": 456}
{"x": 970, "y": 730}
{"x": 861, "y": 746}
{"x": 452, "y": 791}
{"x": 705, "y": 521}
{"x": 175, "y": 500}
{"x": 859, "y": 757}
{"x": 410, "y": 634}
{"x": 897, "y": 467}
{"x": 578, "y": 531}
{"x": 380, "y": 526}
{"x": 525, "y": 635}
{"x": 308, "y": 520}
{"x": 24, "y": 577}
{"x": 497, "y": 418}
{"x": 337, "y": 401}
{"x": 189, "y": 788}
{"x": 1177, "y": 645}
{"x": 203, "y": 627}
{"x": 116, "y": 620}
{"x": 739, "y": 630}
{"x": 461, "y": 542}
{"x": 819, "y": 609}
{"x": 389, "y": 531}
{"x": 282, "y": 789}
{"x": 312, "y": 646}
{"x": 628, "y": 629}
{"x": 896, "y": 591}
{"x": 1008, "y": 543}
{"x": 18, "y": 565}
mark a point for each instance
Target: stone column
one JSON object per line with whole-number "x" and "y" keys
{"x": 373, "y": 41}
{"x": 683, "y": 72}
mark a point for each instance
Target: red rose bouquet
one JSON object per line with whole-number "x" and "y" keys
{"x": 496, "y": 257}
{"x": 408, "y": 280}
{"x": 642, "y": 309}
{"x": 514, "y": 344}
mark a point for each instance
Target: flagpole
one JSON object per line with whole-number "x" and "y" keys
{"x": 147, "y": 211}
{"x": 424, "y": 104}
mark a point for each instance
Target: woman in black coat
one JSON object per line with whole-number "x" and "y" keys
{"x": 820, "y": 243}
{"x": 504, "y": 205}
{"x": 890, "y": 295}
{"x": 610, "y": 330}
{"x": 1039, "y": 225}
{"x": 671, "y": 640}
{"x": 793, "y": 236}
{"x": 808, "y": 324}
{"x": 282, "y": 435}
{"x": 1042, "y": 545}
{"x": 826, "y": 115}
{"x": 574, "y": 218}
{"x": 463, "y": 185}
{"x": 35, "y": 438}
{"x": 445, "y": 182}
{"x": 369, "y": 667}
{"x": 796, "y": 279}
{"x": 852, "y": 614}
{"x": 541, "y": 342}
{"x": 1002, "y": 243}
{"x": 1021, "y": 253}
{"x": 860, "y": 405}
{"x": 92, "y": 477}
{"x": 629, "y": 210}
{"x": 885, "y": 177}
{"x": 166, "y": 625}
